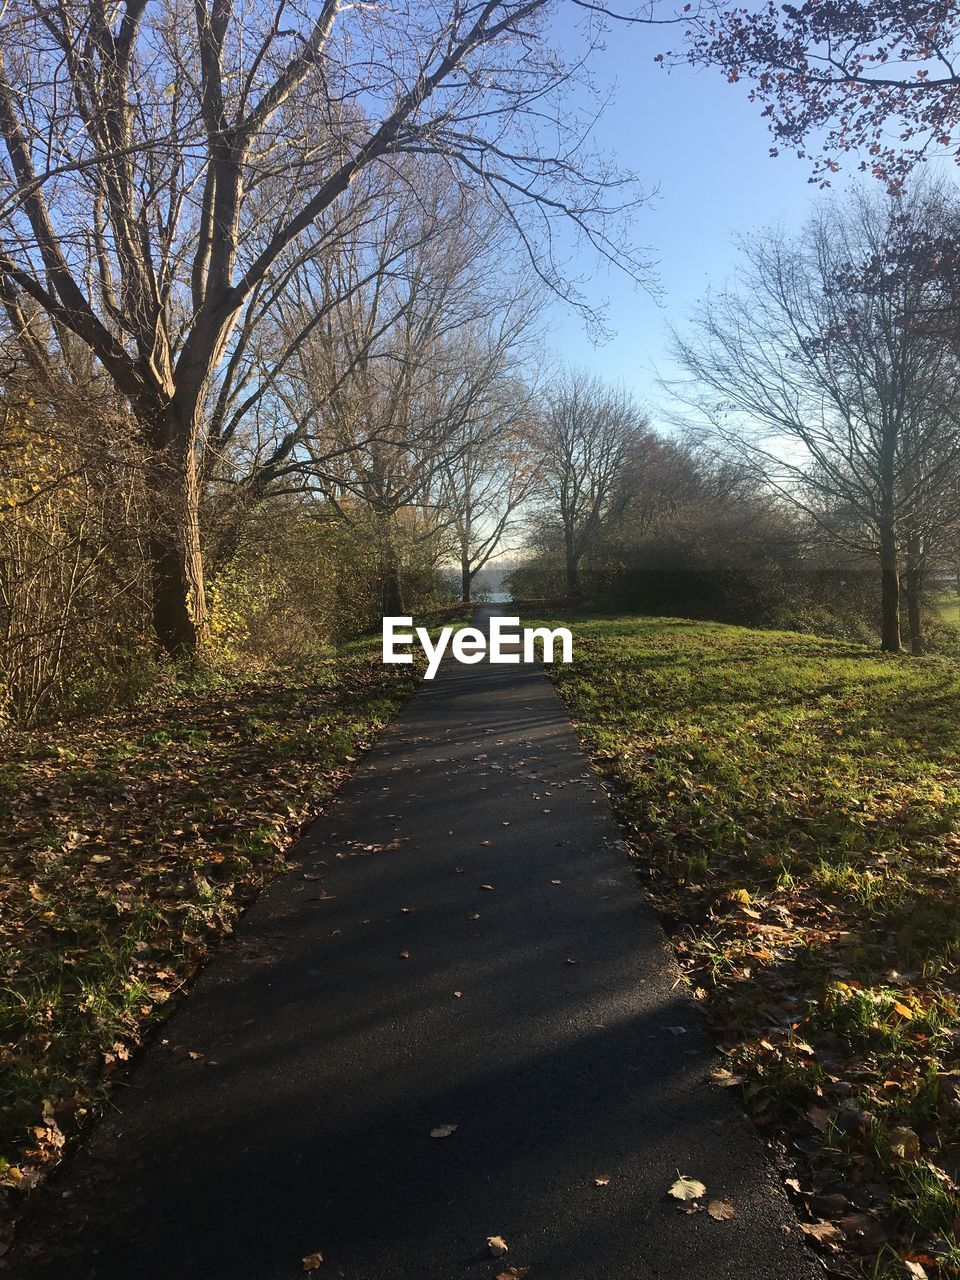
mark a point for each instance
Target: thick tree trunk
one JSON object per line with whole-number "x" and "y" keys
{"x": 176, "y": 556}
{"x": 914, "y": 583}
{"x": 466, "y": 580}
{"x": 889, "y": 590}
{"x": 391, "y": 578}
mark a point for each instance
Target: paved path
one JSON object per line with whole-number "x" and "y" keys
{"x": 326, "y": 1058}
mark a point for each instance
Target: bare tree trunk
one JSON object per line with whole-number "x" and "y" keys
{"x": 889, "y": 589}
{"x": 466, "y": 579}
{"x": 176, "y": 555}
{"x": 573, "y": 587}
{"x": 391, "y": 580}
{"x": 914, "y": 583}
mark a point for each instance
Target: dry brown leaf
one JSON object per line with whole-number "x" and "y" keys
{"x": 513, "y": 1273}
{"x": 905, "y": 1143}
{"x": 443, "y": 1131}
{"x": 488, "y": 887}
{"x": 404, "y": 955}
{"x": 822, "y": 1231}
{"x": 721, "y": 1210}
{"x": 725, "y": 1079}
{"x": 602, "y": 1180}
{"x": 497, "y": 1246}
{"x": 818, "y": 1118}
{"x": 312, "y": 1261}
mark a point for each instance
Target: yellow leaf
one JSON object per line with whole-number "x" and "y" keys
{"x": 687, "y": 1188}
{"x": 905, "y": 1143}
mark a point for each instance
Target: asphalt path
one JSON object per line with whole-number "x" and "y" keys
{"x": 464, "y": 945}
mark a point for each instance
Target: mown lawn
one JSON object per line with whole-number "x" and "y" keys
{"x": 794, "y": 806}
{"x": 128, "y": 847}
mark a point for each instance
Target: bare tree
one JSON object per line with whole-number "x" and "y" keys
{"x": 404, "y": 373}
{"x": 137, "y": 135}
{"x": 488, "y": 476}
{"x": 585, "y": 437}
{"x": 818, "y": 374}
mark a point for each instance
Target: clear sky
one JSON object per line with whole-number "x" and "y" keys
{"x": 707, "y": 148}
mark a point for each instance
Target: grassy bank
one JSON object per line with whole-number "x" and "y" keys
{"x": 128, "y": 846}
{"x": 794, "y": 805}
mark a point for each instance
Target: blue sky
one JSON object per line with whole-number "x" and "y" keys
{"x": 707, "y": 148}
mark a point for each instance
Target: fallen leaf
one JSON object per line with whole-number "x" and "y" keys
{"x": 443, "y": 1131}
{"x": 404, "y": 955}
{"x": 312, "y": 1261}
{"x": 687, "y": 1188}
{"x": 822, "y": 1231}
{"x": 488, "y": 887}
{"x": 721, "y": 1210}
{"x": 571, "y": 959}
{"x": 513, "y": 1273}
{"x": 556, "y": 882}
{"x": 818, "y": 1118}
{"x": 725, "y": 1079}
{"x": 497, "y": 1246}
{"x": 905, "y": 1143}
{"x": 458, "y": 994}
{"x": 602, "y": 1180}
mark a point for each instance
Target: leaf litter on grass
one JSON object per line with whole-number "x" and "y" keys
{"x": 793, "y": 808}
{"x": 129, "y": 845}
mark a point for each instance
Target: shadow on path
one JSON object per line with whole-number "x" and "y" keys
{"x": 326, "y": 1057}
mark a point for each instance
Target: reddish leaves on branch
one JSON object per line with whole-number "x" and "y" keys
{"x": 874, "y": 78}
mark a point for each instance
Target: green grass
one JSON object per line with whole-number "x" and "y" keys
{"x": 129, "y": 844}
{"x": 796, "y": 804}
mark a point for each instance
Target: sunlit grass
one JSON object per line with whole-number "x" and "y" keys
{"x": 796, "y": 803}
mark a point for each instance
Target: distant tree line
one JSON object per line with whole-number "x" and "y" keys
{"x": 817, "y": 476}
